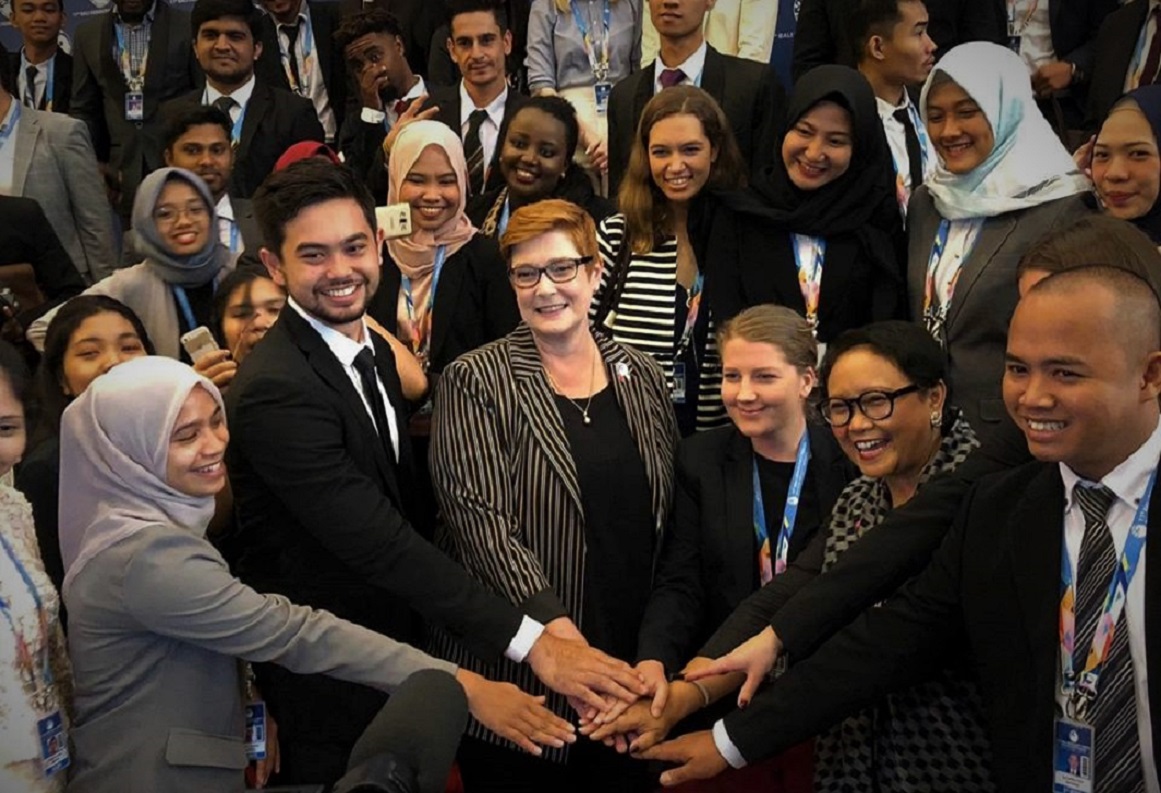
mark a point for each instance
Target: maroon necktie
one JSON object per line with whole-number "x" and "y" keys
{"x": 671, "y": 77}
{"x": 1153, "y": 59}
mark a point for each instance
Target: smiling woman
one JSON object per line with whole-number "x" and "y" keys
{"x": 1126, "y": 165}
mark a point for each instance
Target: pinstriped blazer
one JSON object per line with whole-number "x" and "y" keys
{"x": 507, "y": 485}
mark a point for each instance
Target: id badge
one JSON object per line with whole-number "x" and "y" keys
{"x": 54, "y": 744}
{"x": 602, "y": 91}
{"x": 1072, "y": 757}
{"x": 256, "y": 730}
{"x": 134, "y": 106}
{"x": 678, "y": 393}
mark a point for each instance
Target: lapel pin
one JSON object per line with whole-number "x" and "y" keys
{"x": 622, "y": 371}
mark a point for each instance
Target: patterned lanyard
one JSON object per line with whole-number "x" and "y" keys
{"x": 599, "y": 61}
{"x": 943, "y": 271}
{"x": 768, "y": 565}
{"x": 1137, "y": 67}
{"x": 49, "y": 81}
{"x": 134, "y": 78}
{"x": 810, "y": 274}
{"x": 1082, "y": 689}
{"x": 420, "y": 327}
{"x": 692, "y": 307}
{"x": 24, "y": 655}
{"x": 305, "y": 39}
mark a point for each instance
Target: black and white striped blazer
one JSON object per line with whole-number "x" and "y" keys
{"x": 510, "y": 504}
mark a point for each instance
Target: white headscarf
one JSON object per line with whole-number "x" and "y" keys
{"x": 1028, "y": 165}
{"x": 114, "y": 445}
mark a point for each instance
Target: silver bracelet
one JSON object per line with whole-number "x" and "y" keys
{"x": 705, "y": 697}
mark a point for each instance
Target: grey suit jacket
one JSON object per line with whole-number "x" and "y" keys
{"x": 985, "y": 294}
{"x": 156, "y": 625}
{"x": 56, "y": 166}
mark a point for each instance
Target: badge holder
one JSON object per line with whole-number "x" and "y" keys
{"x": 602, "y": 90}
{"x": 135, "y": 102}
{"x": 678, "y": 392}
{"x": 54, "y": 744}
{"x": 256, "y": 730}
{"x": 1072, "y": 756}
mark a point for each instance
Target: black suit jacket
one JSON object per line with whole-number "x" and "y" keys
{"x": 275, "y": 120}
{"x": 324, "y": 20}
{"x": 474, "y": 303}
{"x": 321, "y": 508}
{"x": 98, "y": 95}
{"x": 62, "y": 80}
{"x": 823, "y": 34}
{"x": 26, "y": 237}
{"x": 707, "y": 564}
{"x": 1113, "y": 53}
{"x": 992, "y": 590}
{"x": 749, "y": 93}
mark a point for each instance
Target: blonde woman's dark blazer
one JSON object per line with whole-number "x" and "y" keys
{"x": 985, "y": 295}
{"x": 507, "y": 485}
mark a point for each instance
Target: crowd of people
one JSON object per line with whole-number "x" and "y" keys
{"x": 557, "y": 363}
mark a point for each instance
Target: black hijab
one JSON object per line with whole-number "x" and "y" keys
{"x": 849, "y": 202}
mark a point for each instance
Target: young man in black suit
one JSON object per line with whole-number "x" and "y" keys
{"x": 265, "y": 120}
{"x": 1082, "y": 383}
{"x": 749, "y": 92}
{"x": 44, "y": 74}
{"x": 126, "y": 63}
{"x": 321, "y": 471}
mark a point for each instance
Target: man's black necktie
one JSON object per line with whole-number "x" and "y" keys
{"x": 1113, "y": 714}
{"x": 474, "y": 151}
{"x": 291, "y": 32}
{"x": 365, "y": 366}
{"x": 30, "y": 87}
{"x": 914, "y": 154}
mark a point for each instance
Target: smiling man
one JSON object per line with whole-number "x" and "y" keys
{"x": 265, "y": 120}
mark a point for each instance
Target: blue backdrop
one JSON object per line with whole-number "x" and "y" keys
{"x": 77, "y": 12}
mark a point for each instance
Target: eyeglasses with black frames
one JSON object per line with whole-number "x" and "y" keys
{"x": 559, "y": 271}
{"x": 875, "y": 405}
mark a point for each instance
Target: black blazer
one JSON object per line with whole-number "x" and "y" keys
{"x": 823, "y": 33}
{"x": 749, "y": 93}
{"x": 992, "y": 590}
{"x": 275, "y": 120}
{"x": 321, "y": 508}
{"x": 26, "y": 237}
{"x": 1113, "y": 51}
{"x": 707, "y": 564}
{"x": 98, "y": 96}
{"x": 474, "y": 302}
{"x": 324, "y": 20}
{"x": 62, "y": 80}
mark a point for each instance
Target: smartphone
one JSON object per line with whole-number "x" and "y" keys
{"x": 395, "y": 220}
{"x": 199, "y": 342}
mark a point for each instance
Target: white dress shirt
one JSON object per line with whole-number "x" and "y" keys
{"x": 316, "y": 89}
{"x": 241, "y": 96}
{"x": 693, "y": 66}
{"x": 43, "y": 70}
{"x": 490, "y": 129}
{"x": 1128, "y": 482}
{"x": 388, "y": 114}
{"x": 1033, "y": 28}
{"x": 9, "y": 129}
{"x": 345, "y": 350}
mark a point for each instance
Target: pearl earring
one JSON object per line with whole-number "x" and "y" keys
{"x": 936, "y": 418}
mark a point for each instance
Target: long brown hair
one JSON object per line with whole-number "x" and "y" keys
{"x": 648, "y": 216}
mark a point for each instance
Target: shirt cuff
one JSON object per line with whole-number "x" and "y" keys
{"x": 525, "y": 637}
{"x": 726, "y": 747}
{"x": 372, "y": 116}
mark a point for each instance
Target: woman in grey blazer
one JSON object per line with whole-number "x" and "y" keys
{"x": 158, "y": 623}
{"x": 1003, "y": 181}
{"x": 552, "y": 458}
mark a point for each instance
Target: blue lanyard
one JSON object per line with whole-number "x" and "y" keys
{"x": 502, "y": 226}
{"x": 135, "y": 78}
{"x": 405, "y": 282}
{"x": 183, "y": 305}
{"x": 6, "y": 608}
{"x": 790, "y": 511}
{"x": 306, "y": 38}
{"x": 600, "y": 68}
{"x": 236, "y": 131}
{"x": 1086, "y": 686}
{"x": 233, "y": 235}
{"x": 13, "y": 118}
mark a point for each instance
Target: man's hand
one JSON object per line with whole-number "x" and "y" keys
{"x": 218, "y": 367}
{"x": 582, "y": 673}
{"x": 510, "y": 713}
{"x": 652, "y": 673}
{"x": 412, "y": 113}
{"x": 638, "y": 729}
{"x": 1052, "y": 77}
{"x": 755, "y": 656}
{"x": 371, "y": 81}
{"x": 696, "y": 755}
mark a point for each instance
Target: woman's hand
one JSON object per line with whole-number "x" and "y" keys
{"x": 596, "y": 148}
{"x": 218, "y": 367}
{"x": 755, "y": 656}
{"x": 412, "y": 113}
{"x": 510, "y": 713}
{"x": 1083, "y": 157}
{"x": 641, "y": 726}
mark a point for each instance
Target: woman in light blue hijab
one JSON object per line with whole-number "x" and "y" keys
{"x": 1003, "y": 181}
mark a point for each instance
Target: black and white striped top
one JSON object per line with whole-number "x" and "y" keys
{"x": 510, "y": 503}
{"x": 645, "y": 315}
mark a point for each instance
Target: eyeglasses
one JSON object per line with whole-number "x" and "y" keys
{"x": 559, "y": 271}
{"x": 167, "y": 215}
{"x": 875, "y": 405}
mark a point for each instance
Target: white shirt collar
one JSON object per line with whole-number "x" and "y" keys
{"x": 692, "y": 66}
{"x": 225, "y": 209}
{"x": 419, "y": 89}
{"x": 344, "y": 348}
{"x": 241, "y": 95}
{"x": 887, "y": 110}
{"x": 495, "y": 110}
{"x": 41, "y": 68}
{"x": 1128, "y": 480}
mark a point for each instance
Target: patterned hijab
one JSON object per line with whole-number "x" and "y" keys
{"x": 1028, "y": 165}
{"x": 114, "y": 445}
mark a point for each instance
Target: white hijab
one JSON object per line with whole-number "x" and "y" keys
{"x": 114, "y": 445}
{"x": 1028, "y": 164}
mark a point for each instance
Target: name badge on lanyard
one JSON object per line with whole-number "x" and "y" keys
{"x": 692, "y": 306}
{"x": 596, "y": 47}
{"x": 134, "y": 78}
{"x": 1074, "y": 768}
{"x": 774, "y": 561}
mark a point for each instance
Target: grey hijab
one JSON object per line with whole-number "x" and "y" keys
{"x": 186, "y": 271}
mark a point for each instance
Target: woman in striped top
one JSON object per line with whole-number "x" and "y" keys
{"x": 552, "y": 458}
{"x": 652, "y": 296}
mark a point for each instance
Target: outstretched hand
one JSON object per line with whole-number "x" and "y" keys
{"x": 510, "y": 713}
{"x": 755, "y": 657}
{"x": 582, "y": 673}
{"x": 695, "y": 754}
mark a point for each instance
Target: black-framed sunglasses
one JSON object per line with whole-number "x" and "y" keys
{"x": 559, "y": 271}
{"x": 875, "y": 405}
